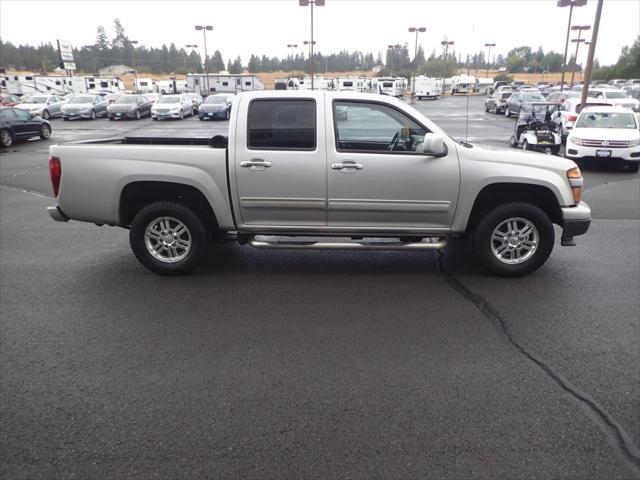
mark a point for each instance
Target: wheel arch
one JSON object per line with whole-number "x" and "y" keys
{"x": 499, "y": 193}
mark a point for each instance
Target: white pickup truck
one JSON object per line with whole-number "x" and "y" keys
{"x": 321, "y": 170}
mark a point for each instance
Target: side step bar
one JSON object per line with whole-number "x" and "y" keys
{"x": 428, "y": 244}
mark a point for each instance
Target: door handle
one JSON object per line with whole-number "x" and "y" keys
{"x": 347, "y": 166}
{"x": 256, "y": 164}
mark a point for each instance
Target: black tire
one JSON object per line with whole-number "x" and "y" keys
{"x": 65, "y": 119}
{"x": 632, "y": 166}
{"x": 181, "y": 114}
{"x": 46, "y": 115}
{"x": 507, "y": 112}
{"x": 155, "y": 119}
{"x": 93, "y": 115}
{"x": 196, "y": 229}
{"x": 525, "y": 145}
{"x": 227, "y": 115}
{"x": 486, "y": 108}
{"x": 138, "y": 116}
{"x": 45, "y": 131}
{"x": 555, "y": 150}
{"x": 201, "y": 118}
{"x": 482, "y": 238}
{"x": 6, "y": 139}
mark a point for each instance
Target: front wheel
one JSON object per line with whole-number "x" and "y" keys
{"x": 227, "y": 115}
{"x": 507, "y": 112}
{"x": 168, "y": 238}
{"x": 138, "y": 116}
{"x": 632, "y": 166}
{"x": 514, "y": 239}
{"x": 525, "y": 145}
{"x": 46, "y": 115}
{"x": 93, "y": 114}
{"x": 45, "y": 131}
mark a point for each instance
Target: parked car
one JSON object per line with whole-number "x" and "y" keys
{"x": 18, "y": 124}
{"x": 515, "y": 101}
{"x": 617, "y": 82}
{"x": 615, "y": 97}
{"x": 196, "y": 100}
{"x": 216, "y": 106}
{"x": 172, "y": 106}
{"x": 497, "y": 102}
{"x": 516, "y": 84}
{"x": 568, "y": 112}
{"x": 496, "y": 85}
{"x": 605, "y": 132}
{"x": 290, "y": 169}
{"x": 560, "y": 97}
{"x": 46, "y": 106}
{"x": 129, "y": 106}
{"x": 153, "y": 97}
{"x": 632, "y": 91}
{"x": 85, "y": 106}
{"x": 9, "y": 100}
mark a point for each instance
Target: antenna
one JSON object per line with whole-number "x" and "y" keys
{"x": 466, "y": 128}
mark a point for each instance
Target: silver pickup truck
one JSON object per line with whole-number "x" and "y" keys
{"x": 321, "y": 170}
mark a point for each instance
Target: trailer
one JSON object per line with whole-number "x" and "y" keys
{"x": 393, "y": 86}
{"x": 427, "y": 87}
{"x": 88, "y": 84}
{"x": 222, "y": 83}
{"x": 30, "y": 83}
{"x": 463, "y": 84}
{"x": 172, "y": 86}
{"x": 352, "y": 84}
{"x": 146, "y": 85}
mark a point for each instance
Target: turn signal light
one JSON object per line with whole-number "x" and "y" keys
{"x": 574, "y": 173}
{"x": 55, "y": 174}
{"x": 575, "y": 180}
{"x": 577, "y": 194}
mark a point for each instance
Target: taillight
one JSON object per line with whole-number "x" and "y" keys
{"x": 55, "y": 173}
{"x": 572, "y": 118}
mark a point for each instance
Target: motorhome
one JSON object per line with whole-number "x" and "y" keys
{"x": 463, "y": 84}
{"x": 483, "y": 84}
{"x": 353, "y": 84}
{"x": 87, "y": 84}
{"x": 146, "y": 85}
{"x": 222, "y": 83}
{"x": 427, "y": 87}
{"x": 394, "y": 86}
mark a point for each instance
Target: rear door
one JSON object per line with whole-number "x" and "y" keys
{"x": 280, "y": 161}
{"x": 378, "y": 176}
{"x": 26, "y": 124}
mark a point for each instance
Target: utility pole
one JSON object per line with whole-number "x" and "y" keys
{"x": 445, "y": 44}
{"x": 305, "y": 3}
{"x": 586, "y": 79}
{"x": 570, "y": 4}
{"x": 415, "y": 55}
{"x": 489, "y": 45}
{"x": 292, "y": 46}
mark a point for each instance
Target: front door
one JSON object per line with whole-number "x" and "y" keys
{"x": 280, "y": 163}
{"x": 380, "y": 178}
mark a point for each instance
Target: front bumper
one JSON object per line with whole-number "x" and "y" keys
{"x": 126, "y": 114}
{"x": 55, "y": 213}
{"x": 575, "y": 220}
{"x": 630, "y": 154}
{"x": 165, "y": 115}
{"x": 218, "y": 114}
{"x": 72, "y": 115}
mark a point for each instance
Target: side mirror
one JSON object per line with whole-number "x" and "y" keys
{"x": 433, "y": 144}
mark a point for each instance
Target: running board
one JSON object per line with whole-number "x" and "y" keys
{"x": 428, "y": 244}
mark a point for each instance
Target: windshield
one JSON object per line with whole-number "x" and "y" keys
{"x": 606, "y": 120}
{"x": 127, "y": 99}
{"x": 169, "y": 100}
{"x": 532, "y": 97}
{"x": 216, "y": 100}
{"x": 81, "y": 100}
{"x": 36, "y": 100}
{"x": 615, "y": 95}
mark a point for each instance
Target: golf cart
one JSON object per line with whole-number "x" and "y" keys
{"x": 534, "y": 129}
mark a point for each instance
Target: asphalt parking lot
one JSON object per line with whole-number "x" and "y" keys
{"x": 268, "y": 364}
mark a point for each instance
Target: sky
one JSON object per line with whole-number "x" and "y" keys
{"x": 243, "y": 27}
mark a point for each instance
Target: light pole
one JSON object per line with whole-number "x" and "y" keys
{"x": 570, "y": 4}
{"x": 415, "y": 54}
{"x": 445, "y": 44}
{"x": 317, "y": 3}
{"x": 292, "y": 46}
{"x": 489, "y": 45}
{"x": 586, "y": 78}
{"x": 192, "y": 47}
{"x": 310, "y": 45}
{"x": 577, "y": 41}
{"x": 204, "y": 29}
{"x": 135, "y": 68}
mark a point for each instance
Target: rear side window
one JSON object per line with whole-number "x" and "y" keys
{"x": 282, "y": 124}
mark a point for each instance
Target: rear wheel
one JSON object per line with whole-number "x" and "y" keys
{"x": 525, "y": 145}
{"x": 514, "y": 239}
{"x": 6, "y": 139}
{"x": 227, "y": 115}
{"x": 168, "y": 238}
{"x": 45, "y": 131}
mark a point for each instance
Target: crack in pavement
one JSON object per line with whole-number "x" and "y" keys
{"x": 607, "y": 183}
{"x": 611, "y": 428}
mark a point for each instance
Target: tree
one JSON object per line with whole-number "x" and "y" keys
{"x": 236, "y": 66}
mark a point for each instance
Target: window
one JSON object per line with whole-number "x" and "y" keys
{"x": 104, "y": 84}
{"x": 374, "y": 127}
{"x": 238, "y": 81}
{"x": 225, "y": 84}
{"x": 21, "y": 114}
{"x": 247, "y": 84}
{"x": 58, "y": 82}
{"x": 9, "y": 113}
{"x": 282, "y": 124}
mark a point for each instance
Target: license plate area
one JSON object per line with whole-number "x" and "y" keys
{"x": 603, "y": 153}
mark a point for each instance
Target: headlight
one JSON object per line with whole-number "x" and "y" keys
{"x": 576, "y": 140}
{"x": 634, "y": 143}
